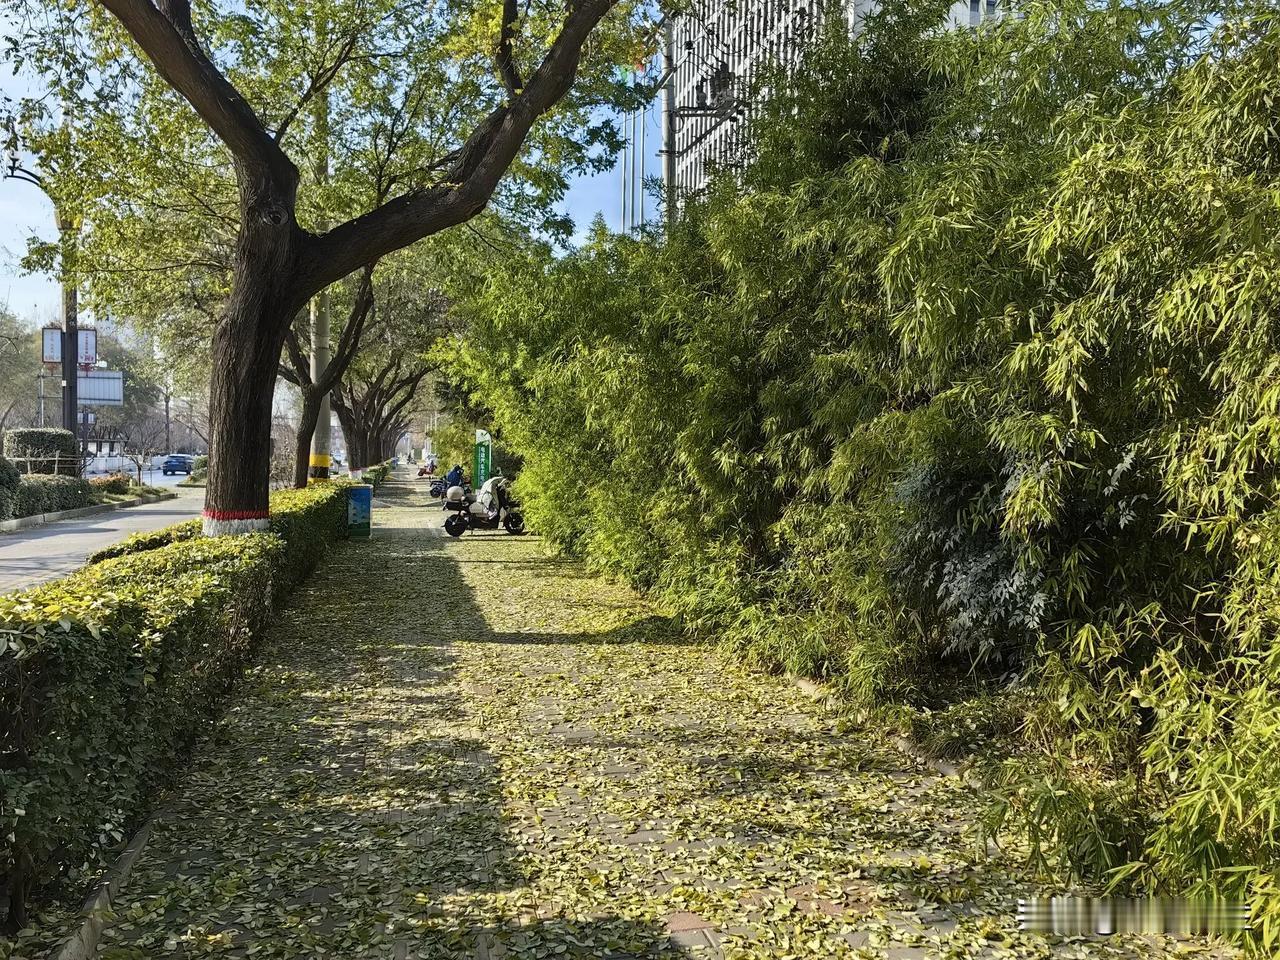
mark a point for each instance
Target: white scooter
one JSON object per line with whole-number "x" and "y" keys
{"x": 490, "y": 508}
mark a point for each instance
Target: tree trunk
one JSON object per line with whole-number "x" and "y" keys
{"x": 246, "y": 358}
{"x": 307, "y": 421}
{"x": 361, "y": 455}
{"x": 348, "y": 430}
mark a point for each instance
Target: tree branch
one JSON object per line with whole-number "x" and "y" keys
{"x": 349, "y": 340}
{"x": 166, "y": 36}
{"x": 506, "y": 58}
{"x": 409, "y": 386}
{"x": 297, "y": 358}
{"x": 472, "y": 178}
{"x": 318, "y": 83}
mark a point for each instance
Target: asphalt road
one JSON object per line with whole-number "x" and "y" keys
{"x": 153, "y": 478}
{"x": 47, "y": 552}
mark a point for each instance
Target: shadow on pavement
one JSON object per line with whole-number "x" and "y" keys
{"x": 347, "y": 805}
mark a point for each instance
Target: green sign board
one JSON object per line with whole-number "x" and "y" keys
{"x": 482, "y": 460}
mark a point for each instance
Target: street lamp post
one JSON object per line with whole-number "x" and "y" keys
{"x": 68, "y": 233}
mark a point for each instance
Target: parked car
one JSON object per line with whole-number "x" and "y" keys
{"x": 177, "y": 463}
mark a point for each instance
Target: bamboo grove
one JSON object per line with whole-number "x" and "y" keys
{"x": 963, "y": 396}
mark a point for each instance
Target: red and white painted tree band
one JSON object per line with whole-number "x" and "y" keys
{"x": 236, "y": 514}
{"x": 227, "y": 523}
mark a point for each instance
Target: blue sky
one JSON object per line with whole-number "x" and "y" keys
{"x": 23, "y": 211}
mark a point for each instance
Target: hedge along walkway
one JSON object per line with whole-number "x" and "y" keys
{"x": 464, "y": 749}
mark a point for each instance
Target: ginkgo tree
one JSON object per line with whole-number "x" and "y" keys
{"x": 432, "y": 106}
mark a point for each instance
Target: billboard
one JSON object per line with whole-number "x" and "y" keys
{"x": 100, "y": 388}
{"x": 51, "y": 345}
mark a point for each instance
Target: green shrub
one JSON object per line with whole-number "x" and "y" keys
{"x": 148, "y": 540}
{"x": 376, "y": 475}
{"x": 50, "y": 493}
{"x": 9, "y": 479}
{"x": 115, "y": 483}
{"x": 308, "y": 520}
{"x": 43, "y": 450}
{"x": 200, "y": 465}
{"x": 970, "y": 388}
{"x": 108, "y": 675}
{"x": 305, "y": 519}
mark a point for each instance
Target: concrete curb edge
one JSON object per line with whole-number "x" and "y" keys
{"x": 83, "y": 944}
{"x": 40, "y": 519}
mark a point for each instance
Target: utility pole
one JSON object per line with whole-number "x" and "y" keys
{"x": 68, "y": 240}
{"x": 625, "y": 170}
{"x": 321, "y": 457}
{"x": 631, "y": 185}
{"x": 669, "y": 121}
{"x": 644, "y": 123}
{"x": 70, "y": 325}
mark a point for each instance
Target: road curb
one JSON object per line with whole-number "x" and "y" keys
{"x": 40, "y": 519}
{"x": 817, "y": 692}
{"x": 83, "y": 944}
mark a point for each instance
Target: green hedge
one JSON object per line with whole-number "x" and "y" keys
{"x": 48, "y": 493}
{"x": 293, "y": 512}
{"x": 376, "y": 475}
{"x": 108, "y": 675}
{"x": 112, "y": 483}
{"x": 9, "y": 480}
{"x": 42, "y": 450}
{"x": 149, "y": 540}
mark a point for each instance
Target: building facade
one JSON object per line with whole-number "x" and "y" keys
{"x": 716, "y": 53}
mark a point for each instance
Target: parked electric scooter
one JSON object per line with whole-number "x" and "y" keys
{"x": 454, "y": 478}
{"x": 491, "y": 508}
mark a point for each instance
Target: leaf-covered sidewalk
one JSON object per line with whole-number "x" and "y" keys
{"x": 465, "y": 749}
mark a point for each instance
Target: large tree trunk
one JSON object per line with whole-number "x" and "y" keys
{"x": 246, "y": 358}
{"x": 361, "y": 455}
{"x": 307, "y": 422}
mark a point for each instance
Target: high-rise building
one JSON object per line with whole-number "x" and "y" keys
{"x": 716, "y": 51}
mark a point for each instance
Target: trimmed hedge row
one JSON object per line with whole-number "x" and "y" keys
{"x": 374, "y": 476}
{"x": 25, "y": 495}
{"x": 292, "y": 513}
{"x": 108, "y": 675}
{"x": 10, "y": 478}
{"x": 112, "y": 483}
{"x": 43, "y": 450}
{"x": 31, "y": 494}
{"x": 148, "y": 540}
{"x": 49, "y": 493}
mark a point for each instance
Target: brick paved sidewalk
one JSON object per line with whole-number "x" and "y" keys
{"x": 464, "y": 749}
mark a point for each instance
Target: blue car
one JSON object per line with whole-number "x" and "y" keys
{"x": 178, "y": 463}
